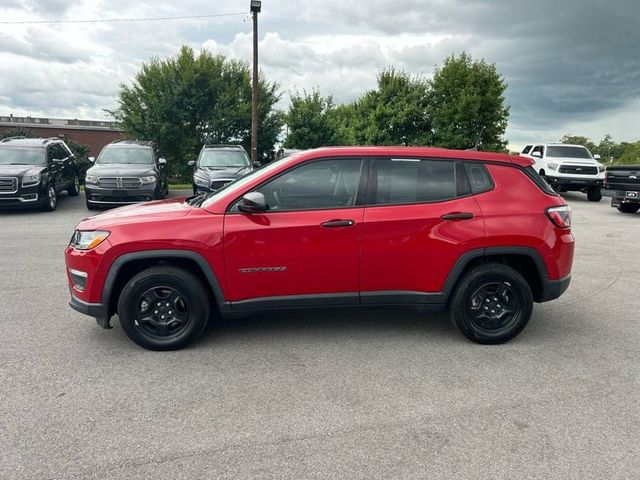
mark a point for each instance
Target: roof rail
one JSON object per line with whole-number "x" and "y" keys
{"x": 8, "y": 139}
{"x": 222, "y": 145}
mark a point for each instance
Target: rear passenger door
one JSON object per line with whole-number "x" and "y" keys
{"x": 419, "y": 219}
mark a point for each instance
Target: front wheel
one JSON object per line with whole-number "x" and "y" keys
{"x": 74, "y": 189}
{"x": 491, "y": 304}
{"x": 628, "y": 208}
{"x": 594, "y": 194}
{"x": 164, "y": 308}
{"x": 51, "y": 201}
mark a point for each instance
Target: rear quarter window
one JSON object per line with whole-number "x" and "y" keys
{"x": 539, "y": 181}
{"x": 479, "y": 177}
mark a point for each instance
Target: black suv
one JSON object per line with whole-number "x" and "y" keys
{"x": 126, "y": 172}
{"x": 34, "y": 170}
{"x": 218, "y": 165}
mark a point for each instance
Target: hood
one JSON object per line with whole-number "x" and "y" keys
{"x": 228, "y": 172}
{"x": 121, "y": 170}
{"x": 19, "y": 170}
{"x": 159, "y": 211}
{"x": 574, "y": 161}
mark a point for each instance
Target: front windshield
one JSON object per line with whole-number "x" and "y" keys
{"x": 568, "y": 152}
{"x": 223, "y": 158}
{"x": 21, "y": 156}
{"x": 239, "y": 183}
{"x": 125, "y": 156}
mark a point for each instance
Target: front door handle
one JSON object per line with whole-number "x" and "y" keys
{"x": 457, "y": 216}
{"x": 338, "y": 223}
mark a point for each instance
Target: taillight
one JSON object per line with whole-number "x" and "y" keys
{"x": 560, "y": 216}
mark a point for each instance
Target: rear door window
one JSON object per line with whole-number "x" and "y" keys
{"x": 412, "y": 180}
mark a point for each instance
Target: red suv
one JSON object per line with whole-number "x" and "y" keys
{"x": 479, "y": 233}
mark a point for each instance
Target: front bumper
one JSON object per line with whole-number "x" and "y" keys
{"x": 110, "y": 197}
{"x": 577, "y": 182}
{"x": 96, "y": 310}
{"x": 24, "y": 197}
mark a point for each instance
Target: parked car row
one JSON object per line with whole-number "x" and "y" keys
{"x": 33, "y": 171}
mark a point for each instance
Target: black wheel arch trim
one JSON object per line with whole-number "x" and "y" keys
{"x": 122, "y": 260}
{"x": 463, "y": 262}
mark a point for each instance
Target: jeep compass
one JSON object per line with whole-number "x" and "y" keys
{"x": 478, "y": 233}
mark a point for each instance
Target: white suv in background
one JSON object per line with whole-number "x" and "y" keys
{"x": 568, "y": 168}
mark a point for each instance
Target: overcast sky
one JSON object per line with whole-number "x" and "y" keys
{"x": 573, "y": 66}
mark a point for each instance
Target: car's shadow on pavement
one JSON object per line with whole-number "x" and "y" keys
{"x": 313, "y": 324}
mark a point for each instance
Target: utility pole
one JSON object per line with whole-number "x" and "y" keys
{"x": 255, "y": 10}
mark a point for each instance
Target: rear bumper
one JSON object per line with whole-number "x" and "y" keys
{"x": 552, "y": 289}
{"x": 619, "y": 197}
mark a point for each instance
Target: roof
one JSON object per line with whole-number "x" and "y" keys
{"x": 28, "y": 142}
{"x": 221, "y": 146}
{"x": 130, "y": 143}
{"x": 430, "y": 152}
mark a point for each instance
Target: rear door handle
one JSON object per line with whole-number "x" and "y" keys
{"x": 457, "y": 216}
{"x": 338, "y": 223}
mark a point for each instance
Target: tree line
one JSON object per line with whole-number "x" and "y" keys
{"x": 185, "y": 101}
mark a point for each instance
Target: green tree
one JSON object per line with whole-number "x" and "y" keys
{"x": 466, "y": 105}
{"x": 395, "y": 113}
{"x": 310, "y": 122}
{"x": 580, "y": 140}
{"x": 190, "y": 99}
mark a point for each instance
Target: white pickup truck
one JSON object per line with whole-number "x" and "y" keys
{"x": 568, "y": 168}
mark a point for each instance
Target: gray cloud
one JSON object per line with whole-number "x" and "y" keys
{"x": 570, "y": 64}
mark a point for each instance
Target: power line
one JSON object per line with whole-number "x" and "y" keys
{"x": 115, "y": 20}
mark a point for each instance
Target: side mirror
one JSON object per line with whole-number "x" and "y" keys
{"x": 596, "y": 156}
{"x": 192, "y": 163}
{"x": 92, "y": 159}
{"x": 253, "y": 202}
{"x": 162, "y": 161}
{"x": 536, "y": 154}
{"x": 256, "y": 164}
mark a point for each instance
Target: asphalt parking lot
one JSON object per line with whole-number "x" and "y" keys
{"x": 385, "y": 394}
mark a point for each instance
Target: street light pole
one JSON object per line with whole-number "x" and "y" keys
{"x": 255, "y": 10}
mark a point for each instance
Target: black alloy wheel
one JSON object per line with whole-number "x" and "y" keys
{"x": 491, "y": 304}
{"x": 164, "y": 308}
{"x": 51, "y": 201}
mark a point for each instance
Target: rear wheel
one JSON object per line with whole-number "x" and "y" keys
{"x": 594, "y": 194}
{"x": 491, "y": 304}
{"x": 164, "y": 308}
{"x": 628, "y": 208}
{"x": 51, "y": 200}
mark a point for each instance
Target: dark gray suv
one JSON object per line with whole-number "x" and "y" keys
{"x": 218, "y": 165}
{"x": 126, "y": 172}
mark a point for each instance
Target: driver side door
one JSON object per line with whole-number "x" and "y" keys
{"x": 304, "y": 250}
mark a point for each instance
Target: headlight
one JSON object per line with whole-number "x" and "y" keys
{"x": 552, "y": 166}
{"x": 148, "y": 180}
{"x": 201, "y": 181}
{"x": 31, "y": 179}
{"x": 601, "y": 168}
{"x": 93, "y": 179}
{"x": 87, "y": 240}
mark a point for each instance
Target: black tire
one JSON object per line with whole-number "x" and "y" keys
{"x": 51, "y": 199}
{"x": 175, "y": 294}
{"x": 628, "y": 208}
{"x": 74, "y": 189}
{"x": 497, "y": 294}
{"x": 594, "y": 194}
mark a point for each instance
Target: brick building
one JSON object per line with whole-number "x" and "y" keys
{"x": 95, "y": 134}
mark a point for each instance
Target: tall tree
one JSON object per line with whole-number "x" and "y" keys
{"x": 310, "y": 122}
{"x": 395, "y": 113}
{"x": 184, "y": 101}
{"x": 466, "y": 105}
